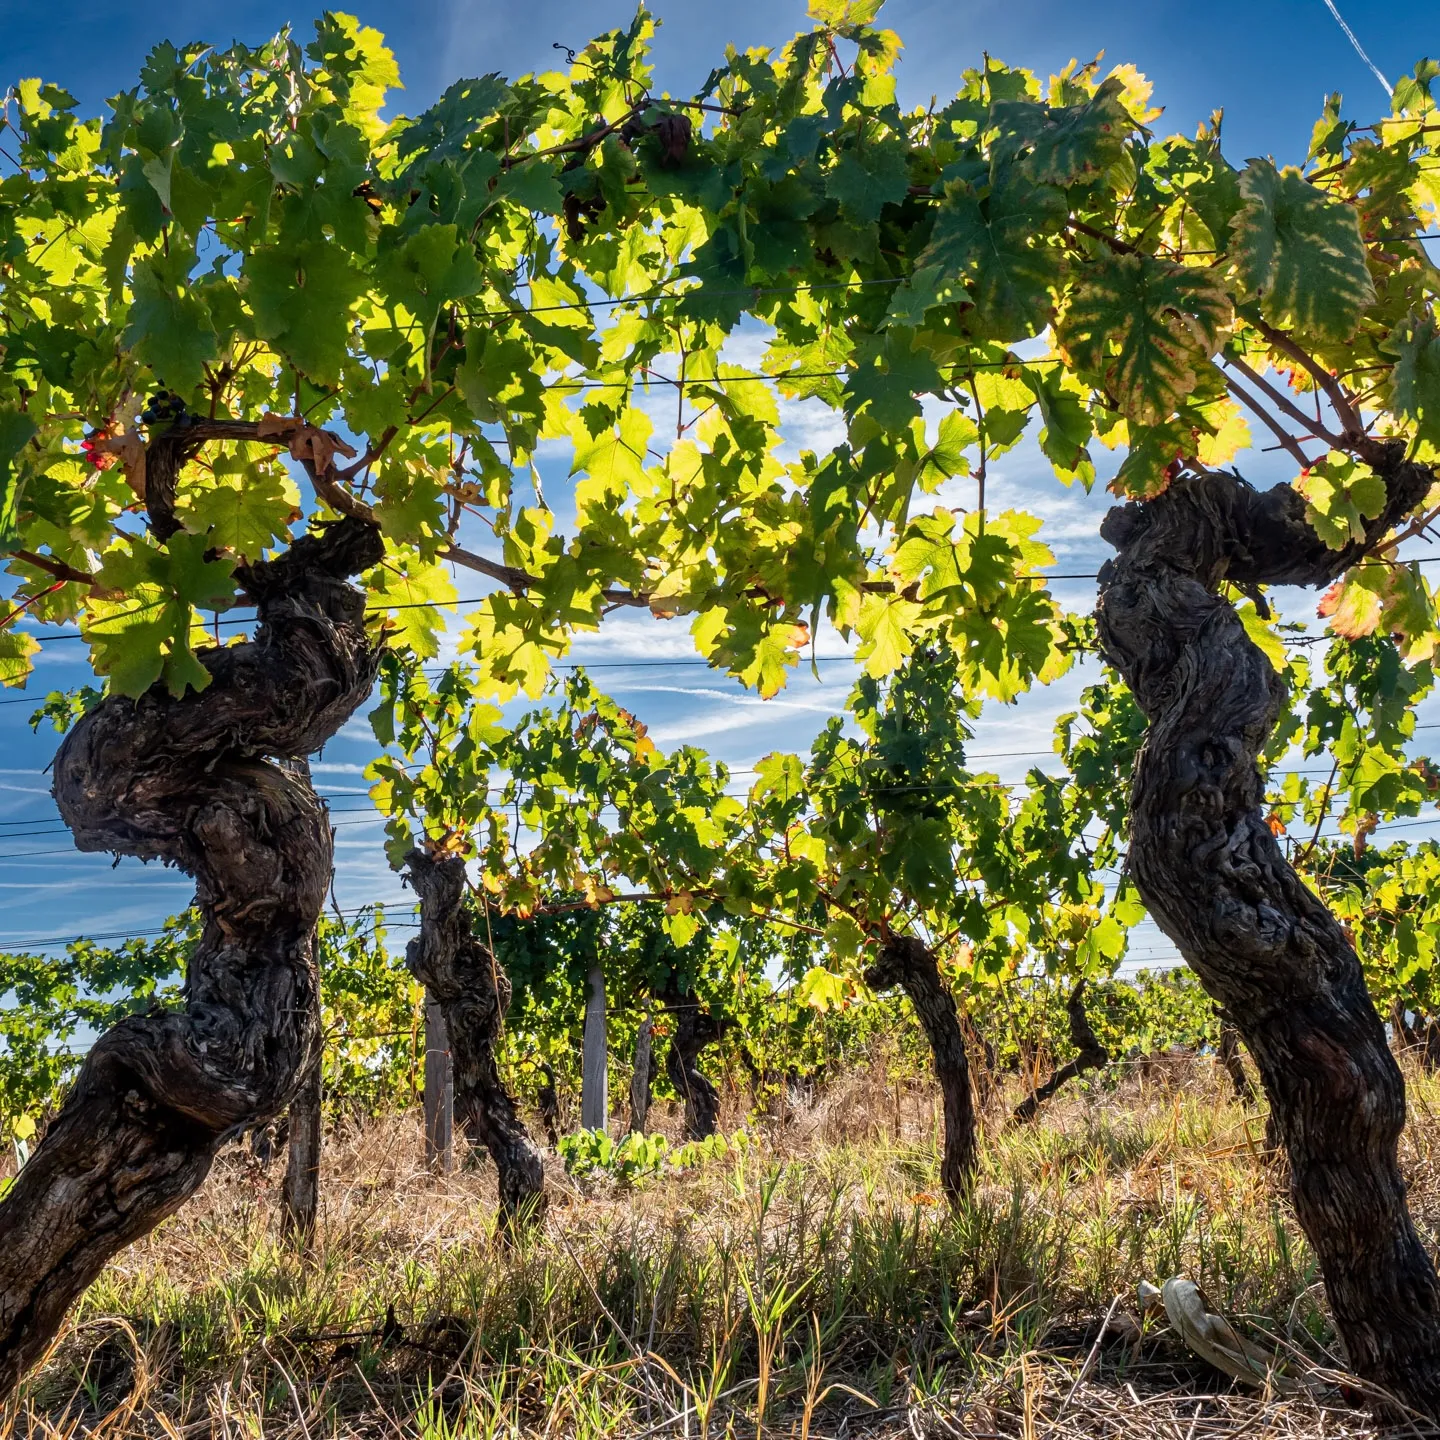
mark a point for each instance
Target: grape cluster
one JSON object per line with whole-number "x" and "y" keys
{"x": 166, "y": 408}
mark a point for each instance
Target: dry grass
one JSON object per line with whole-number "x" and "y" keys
{"x": 812, "y": 1286}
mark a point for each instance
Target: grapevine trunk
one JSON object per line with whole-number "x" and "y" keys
{"x": 214, "y": 783}
{"x": 642, "y": 1078}
{"x": 1090, "y": 1055}
{"x": 463, "y": 977}
{"x": 1215, "y": 879}
{"x": 695, "y": 1028}
{"x": 907, "y": 962}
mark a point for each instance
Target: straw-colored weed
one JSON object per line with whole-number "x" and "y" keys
{"x": 814, "y": 1284}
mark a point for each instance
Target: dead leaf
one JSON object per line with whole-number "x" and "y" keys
{"x": 307, "y": 443}
{"x": 129, "y": 449}
{"x": 1212, "y": 1337}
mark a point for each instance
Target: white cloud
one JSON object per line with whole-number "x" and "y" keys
{"x": 745, "y": 714}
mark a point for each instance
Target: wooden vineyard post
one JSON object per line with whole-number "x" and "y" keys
{"x": 640, "y": 1080}
{"x": 439, "y": 1092}
{"x": 595, "y": 1072}
{"x": 300, "y": 1196}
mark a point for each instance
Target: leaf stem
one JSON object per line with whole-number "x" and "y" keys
{"x": 1286, "y": 439}
{"x": 1334, "y": 390}
{"x": 1286, "y": 406}
{"x": 65, "y": 574}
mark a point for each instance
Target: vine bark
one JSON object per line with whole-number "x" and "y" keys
{"x": 642, "y": 1078}
{"x": 1216, "y": 881}
{"x": 909, "y": 963}
{"x": 216, "y": 784}
{"x": 695, "y": 1029}
{"x": 1090, "y": 1055}
{"x": 471, "y": 987}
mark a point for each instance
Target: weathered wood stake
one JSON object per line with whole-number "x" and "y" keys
{"x": 300, "y": 1194}
{"x": 595, "y": 1068}
{"x": 439, "y": 1091}
{"x": 641, "y": 1078}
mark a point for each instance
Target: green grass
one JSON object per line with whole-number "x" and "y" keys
{"x": 811, "y": 1282}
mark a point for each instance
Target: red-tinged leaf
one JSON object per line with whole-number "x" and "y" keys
{"x": 1351, "y": 606}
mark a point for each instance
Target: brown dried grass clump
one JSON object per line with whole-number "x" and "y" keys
{"x": 808, "y": 1284}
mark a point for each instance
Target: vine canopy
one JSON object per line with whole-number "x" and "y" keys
{"x": 249, "y": 260}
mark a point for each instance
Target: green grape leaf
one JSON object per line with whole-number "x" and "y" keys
{"x": 300, "y": 300}
{"x": 844, "y": 938}
{"x": 17, "y": 430}
{"x": 886, "y": 386}
{"x": 436, "y": 266}
{"x": 1231, "y": 435}
{"x": 145, "y": 635}
{"x": 1340, "y": 496}
{"x": 1410, "y": 614}
{"x": 612, "y": 461}
{"x": 947, "y": 457}
{"x": 1391, "y": 599}
{"x": 170, "y": 328}
{"x": 823, "y": 989}
{"x": 1262, "y": 634}
{"x": 866, "y": 179}
{"x": 885, "y": 630}
{"x": 682, "y": 927}
{"x": 245, "y": 512}
{"x": 17, "y": 651}
{"x": 839, "y": 13}
{"x": 1143, "y": 328}
{"x": 412, "y": 595}
{"x": 532, "y": 185}
{"x": 1068, "y": 143}
{"x": 412, "y": 497}
{"x": 1149, "y": 465}
{"x": 363, "y": 66}
{"x": 128, "y": 643}
{"x": 1068, "y": 425}
{"x": 1415, "y": 380}
{"x": 757, "y": 650}
{"x": 1300, "y": 251}
{"x": 513, "y": 645}
{"x": 991, "y": 251}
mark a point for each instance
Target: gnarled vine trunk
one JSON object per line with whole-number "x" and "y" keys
{"x": 216, "y": 784}
{"x": 1213, "y": 876}
{"x": 695, "y": 1028}
{"x": 1090, "y": 1055}
{"x": 472, "y": 989}
{"x": 907, "y": 962}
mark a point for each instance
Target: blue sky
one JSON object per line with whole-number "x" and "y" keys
{"x": 1268, "y": 65}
